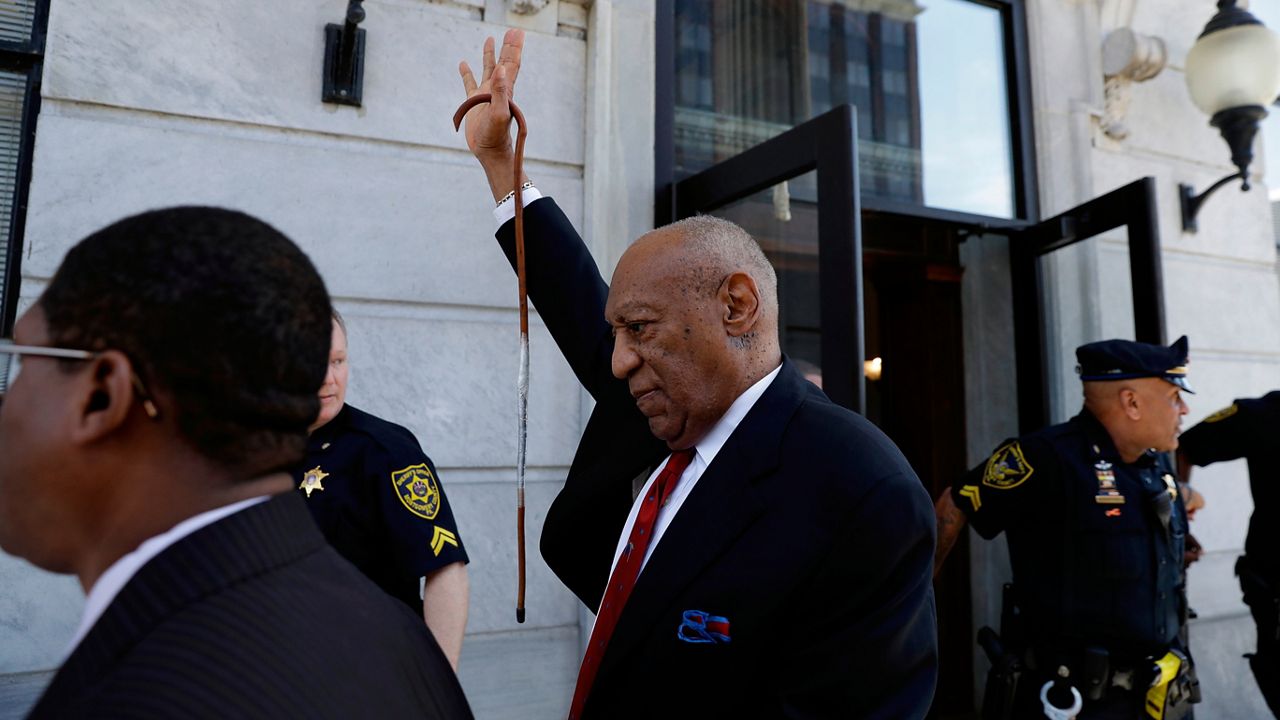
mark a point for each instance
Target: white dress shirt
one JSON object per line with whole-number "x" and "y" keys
{"x": 706, "y": 451}
{"x": 507, "y": 210}
{"x": 121, "y": 571}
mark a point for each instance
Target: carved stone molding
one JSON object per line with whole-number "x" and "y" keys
{"x": 1127, "y": 57}
{"x": 526, "y": 7}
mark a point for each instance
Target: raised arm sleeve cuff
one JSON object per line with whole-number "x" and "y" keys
{"x": 506, "y": 210}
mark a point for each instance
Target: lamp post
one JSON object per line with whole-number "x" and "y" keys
{"x": 1233, "y": 74}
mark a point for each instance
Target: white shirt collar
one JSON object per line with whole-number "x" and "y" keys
{"x": 705, "y": 451}
{"x": 113, "y": 580}
{"x": 719, "y": 433}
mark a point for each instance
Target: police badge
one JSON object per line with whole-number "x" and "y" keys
{"x": 311, "y": 480}
{"x": 418, "y": 491}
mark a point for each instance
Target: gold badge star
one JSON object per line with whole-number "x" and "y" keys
{"x": 311, "y": 480}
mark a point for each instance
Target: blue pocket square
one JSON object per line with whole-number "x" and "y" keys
{"x": 703, "y": 627}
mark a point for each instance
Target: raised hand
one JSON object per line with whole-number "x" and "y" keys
{"x": 488, "y": 126}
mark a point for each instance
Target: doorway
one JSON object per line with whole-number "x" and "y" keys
{"x": 912, "y": 367}
{"x": 916, "y": 395}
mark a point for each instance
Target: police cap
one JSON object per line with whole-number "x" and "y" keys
{"x": 1124, "y": 359}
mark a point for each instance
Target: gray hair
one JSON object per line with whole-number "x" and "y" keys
{"x": 730, "y": 247}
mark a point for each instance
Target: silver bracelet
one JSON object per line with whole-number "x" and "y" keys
{"x": 512, "y": 194}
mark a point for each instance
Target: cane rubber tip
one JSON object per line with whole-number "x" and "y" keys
{"x": 520, "y": 615}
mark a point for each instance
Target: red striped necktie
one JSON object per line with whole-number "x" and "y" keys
{"x": 625, "y": 574}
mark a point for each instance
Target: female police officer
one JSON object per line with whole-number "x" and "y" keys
{"x": 378, "y": 500}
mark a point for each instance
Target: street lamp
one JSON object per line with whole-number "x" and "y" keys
{"x": 1233, "y": 74}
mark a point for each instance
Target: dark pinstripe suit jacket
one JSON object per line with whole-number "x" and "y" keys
{"x": 255, "y": 616}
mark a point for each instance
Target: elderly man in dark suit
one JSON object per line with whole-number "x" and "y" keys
{"x": 776, "y": 560}
{"x": 169, "y": 373}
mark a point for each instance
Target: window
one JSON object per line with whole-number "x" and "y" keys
{"x": 928, "y": 79}
{"x": 22, "y": 31}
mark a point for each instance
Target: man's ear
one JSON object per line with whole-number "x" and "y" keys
{"x": 1130, "y": 403}
{"x": 741, "y": 299}
{"x": 106, "y": 397}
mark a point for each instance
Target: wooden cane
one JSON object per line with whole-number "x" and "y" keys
{"x": 522, "y": 384}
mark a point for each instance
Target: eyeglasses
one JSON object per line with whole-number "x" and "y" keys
{"x": 11, "y": 355}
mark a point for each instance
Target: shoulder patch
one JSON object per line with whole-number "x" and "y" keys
{"x": 1223, "y": 414}
{"x": 1007, "y": 468}
{"x": 418, "y": 490}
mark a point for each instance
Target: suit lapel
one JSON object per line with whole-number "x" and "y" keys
{"x": 720, "y": 507}
{"x": 248, "y": 542}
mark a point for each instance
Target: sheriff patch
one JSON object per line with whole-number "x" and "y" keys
{"x": 1008, "y": 468}
{"x": 418, "y": 491}
{"x": 1223, "y": 414}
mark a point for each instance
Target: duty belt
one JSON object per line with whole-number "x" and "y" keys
{"x": 1166, "y": 681}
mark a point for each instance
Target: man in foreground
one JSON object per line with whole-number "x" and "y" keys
{"x": 169, "y": 373}
{"x": 1249, "y": 428}
{"x": 1096, "y": 529}
{"x": 776, "y": 560}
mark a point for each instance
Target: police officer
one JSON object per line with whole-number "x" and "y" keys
{"x": 378, "y": 500}
{"x": 1096, "y": 530}
{"x": 1250, "y": 429}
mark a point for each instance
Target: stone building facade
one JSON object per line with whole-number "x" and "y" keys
{"x": 161, "y": 102}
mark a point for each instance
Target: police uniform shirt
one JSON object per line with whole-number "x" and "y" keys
{"x": 1095, "y": 543}
{"x": 378, "y": 500}
{"x": 1248, "y": 429}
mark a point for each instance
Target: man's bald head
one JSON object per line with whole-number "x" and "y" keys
{"x": 1138, "y": 413}
{"x": 694, "y": 308}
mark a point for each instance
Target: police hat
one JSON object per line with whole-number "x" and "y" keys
{"x": 1124, "y": 359}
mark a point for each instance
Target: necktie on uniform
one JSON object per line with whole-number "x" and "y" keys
{"x": 625, "y": 574}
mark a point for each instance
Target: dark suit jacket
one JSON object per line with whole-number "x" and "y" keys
{"x": 254, "y": 616}
{"x": 809, "y": 532}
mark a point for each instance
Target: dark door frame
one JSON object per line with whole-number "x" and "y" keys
{"x": 1134, "y": 206}
{"x": 829, "y": 145}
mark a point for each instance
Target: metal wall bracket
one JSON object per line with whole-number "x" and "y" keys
{"x": 344, "y": 59}
{"x": 1189, "y": 202}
